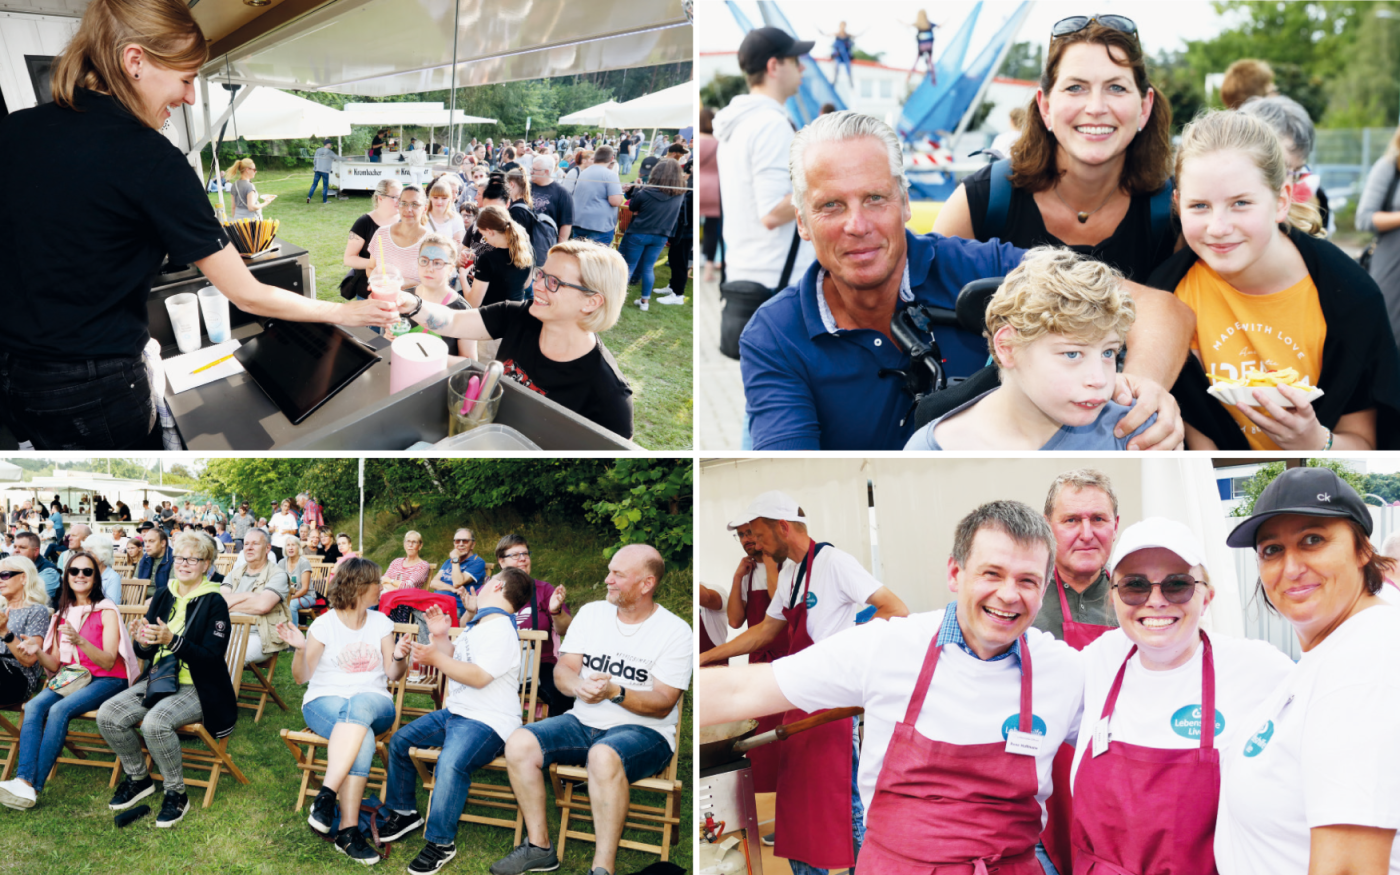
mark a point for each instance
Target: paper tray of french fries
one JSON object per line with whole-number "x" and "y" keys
{"x": 1240, "y": 390}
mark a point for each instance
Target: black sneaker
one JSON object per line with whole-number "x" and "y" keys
{"x": 351, "y": 842}
{"x": 397, "y": 825}
{"x": 173, "y": 811}
{"x": 432, "y": 858}
{"x": 526, "y": 858}
{"x": 129, "y": 792}
{"x": 768, "y": 839}
{"x": 322, "y": 811}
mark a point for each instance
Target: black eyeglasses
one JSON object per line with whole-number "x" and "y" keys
{"x": 1136, "y": 589}
{"x": 1076, "y": 23}
{"x": 82, "y": 572}
{"x": 552, "y": 283}
{"x": 516, "y": 555}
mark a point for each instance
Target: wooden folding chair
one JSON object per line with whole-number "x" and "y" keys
{"x": 306, "y": 744}
{"x": 224, "y": 562}
{"x": 571, "y": 796}
{"x": 9, "y": 739}
{"x": 320, "y": 573}
{"x": 493, "y": 795}
{"x": 216, "y": 759}
{"x": 134, "y": 591}
{"x": 254, "y": 694}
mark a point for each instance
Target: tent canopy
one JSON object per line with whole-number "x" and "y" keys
{"x": 384, "y": 47}
{"x": 416, "y": 114}
{"x": 672, "y": 107}
{"x": 269, "y": 114}
{"x": 593, "y": 115}
{"x": 10, "y": 472}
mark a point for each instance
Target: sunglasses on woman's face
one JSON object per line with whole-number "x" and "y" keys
{"x": 8, "y": 575}
{"x": 1076, "y": 23}
{"x": 82, "y": 572}
{"x": 1136, "y": 589}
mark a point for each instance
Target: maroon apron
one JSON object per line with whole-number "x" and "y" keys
{"x": 813, "y": 817}
{"x": 1059, "y": 807}
{"x": 1173, "y": 794}
{"x": 764, "y": 759}
{"x": 945, "y": 808}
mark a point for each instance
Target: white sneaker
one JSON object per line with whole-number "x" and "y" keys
{"x": 17, "y": 794}
{"x": 642, "y": 304}
{"x": 670, "y": 299}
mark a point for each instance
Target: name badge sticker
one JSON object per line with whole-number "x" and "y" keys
{"x": 1023, "y": 743}
{"x": 1100, "y": 745}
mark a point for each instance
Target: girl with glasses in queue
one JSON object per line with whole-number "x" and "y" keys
{"x": 437, "y": 264}
{"x": 72, "y": 374}
{"x": 1091, "y": 172}
{"x": 551, "y": 345}
{"x": 86, "y": 636}
{"x": 1314, "y": 787}
{"x": 1144, "y": 746}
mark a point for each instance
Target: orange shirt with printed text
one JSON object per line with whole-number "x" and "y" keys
{"x": 1235, "y": 331}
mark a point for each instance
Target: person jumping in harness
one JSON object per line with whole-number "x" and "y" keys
{"x": 923, "y": 32}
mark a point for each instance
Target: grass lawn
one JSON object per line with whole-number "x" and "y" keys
{"x": 252, "y": 828}
{"x": 653, "y": 348}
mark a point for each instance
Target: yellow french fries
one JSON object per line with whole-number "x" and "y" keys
{"x": 1252, "y": 378}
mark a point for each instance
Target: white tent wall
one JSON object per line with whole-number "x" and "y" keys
{"x": 672, "y": 107}
{"x": 30, "y": 34}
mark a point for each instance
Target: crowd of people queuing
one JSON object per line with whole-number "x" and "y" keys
{"x": 1214, "y": 247}
{"x": 64, "y": 651}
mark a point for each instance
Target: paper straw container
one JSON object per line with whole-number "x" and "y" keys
{"x": 414, "y": 358}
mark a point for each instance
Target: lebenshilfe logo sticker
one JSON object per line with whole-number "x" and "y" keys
{"x": 1037, "y": 725}
{"x": 1186, "y": 722}
{"x": 1259, "y": 740}
{"x": 811, "y": 600}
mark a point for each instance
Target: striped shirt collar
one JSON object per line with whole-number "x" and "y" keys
{"x": 951, "y": 633}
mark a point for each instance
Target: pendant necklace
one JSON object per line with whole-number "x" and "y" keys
{"x": 1082, "y": 216}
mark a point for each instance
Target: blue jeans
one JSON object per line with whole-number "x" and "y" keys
{"x": 45, "y": 725}
{"x": 603, "y": 237}
{"x": 642, "y": 250}
{"x": 305, "y": 603}
{"x": 362, "y": 709}
{"x": 466, "y": 744}
{"x": 1044, "y": 860}
{"x": 100, "y": 404}
{"x": 324, "y": 178}
{"x": 857, "y": 810}
{"x": 565, "y": 740}
{"x": 624, "y": 164}
{"x": 374, "y": 159}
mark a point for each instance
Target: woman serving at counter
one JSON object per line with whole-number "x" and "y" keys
{"x": 71, "y": 369}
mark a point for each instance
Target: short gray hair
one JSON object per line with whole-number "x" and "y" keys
{"x": 837, "y": 127}
{"x": 1017, "y": 521}
{"x": 1082, "y": 478}
{"x": 1288, "y": 119}
{"x": 256, "y": 531}
{"x": 101, "y": 546}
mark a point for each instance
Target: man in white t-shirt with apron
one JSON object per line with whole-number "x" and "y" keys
{"x": 626, "y": 662}
{"x": 820, "y": 591}
{"x": 972, "y": 700}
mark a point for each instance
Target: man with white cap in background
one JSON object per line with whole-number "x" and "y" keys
{"x": 820, "y": 591}
{"x": 1143, "y": 745}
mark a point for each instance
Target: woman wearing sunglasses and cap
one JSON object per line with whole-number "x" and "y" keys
{"x": 1091, "y": 172}
{"x": 1315, "y": 787}
{"x": 1143, "y": 746}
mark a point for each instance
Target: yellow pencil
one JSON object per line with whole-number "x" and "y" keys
{"x": 211, "y": 364}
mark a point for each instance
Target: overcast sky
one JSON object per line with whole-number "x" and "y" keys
{"x": 875, "y": 24}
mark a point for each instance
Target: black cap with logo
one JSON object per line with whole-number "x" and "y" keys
{"x": 1307, "y": 492}
{"x": 763, "y": 43}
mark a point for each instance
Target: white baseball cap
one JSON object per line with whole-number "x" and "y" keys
{"x": 1161, "y": 532}
{"x": 773, "y": 505}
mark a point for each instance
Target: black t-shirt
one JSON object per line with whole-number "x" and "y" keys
{"x": 553, "y": 201}
{"x": 1130, "y": 249}
{"x": 647, "y": 163}
{"x": 364, "y": 226}
{"x": 329, "y": 554}
{"x": 507, "y": 282}
{"x": 70, "y": 301}
{"x": 508, "y": 167}
{"x": 624, "y": 147}
{"x": 376, "y": 146}
{"x": 591, "y": 386}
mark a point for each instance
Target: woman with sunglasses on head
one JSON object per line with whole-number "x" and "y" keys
{"x": 385, "y": 212}
{"x": 1091, "y": 172}
{"x": 86, "y": 636}
{"x": 551, "y": 345}
{"x": 1314, "y": 787}
{"x": 1143, "y": 745}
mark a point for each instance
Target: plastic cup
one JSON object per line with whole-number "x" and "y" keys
{"x": 184, "y": 319}
{"x": 479, "y": 412}
{"x": 214, "y": 306}
{"x": 385, "y": 285}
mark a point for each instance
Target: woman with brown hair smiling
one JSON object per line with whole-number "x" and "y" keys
{"x": 1314, "y": 787}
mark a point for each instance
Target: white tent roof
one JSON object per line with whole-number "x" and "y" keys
{"x": 269, "y": 114}
{"x": 591, "y": 116}
{"x": 384, "y": 47}
{"x": 10, "y": 471}
{"x": 672, "y": 107}
{"x": 398, "y": 114}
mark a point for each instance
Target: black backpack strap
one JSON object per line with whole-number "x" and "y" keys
{"x": 999, "y": 201}
{"x": 1161, "y": 210}
{"x": 791, "y": 260}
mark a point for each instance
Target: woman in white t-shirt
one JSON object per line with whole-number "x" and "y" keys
{"x": 1315, "y": 787}
{"x": 282, "y": 524}
{"x": 347, "y": 657}
{"x": 1143, "y": 747}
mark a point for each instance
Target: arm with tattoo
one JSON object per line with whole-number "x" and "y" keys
{"x": 466, "y": 324}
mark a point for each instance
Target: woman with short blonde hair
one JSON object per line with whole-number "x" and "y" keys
{"x": 553, "y": 340}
